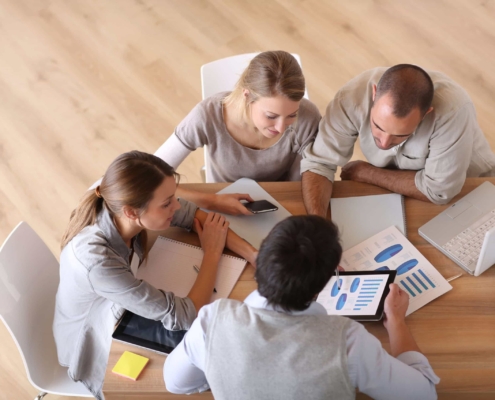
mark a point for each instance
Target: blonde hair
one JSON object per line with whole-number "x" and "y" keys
{"x": 269, "y": 74}
{"x": 130, "y": 180}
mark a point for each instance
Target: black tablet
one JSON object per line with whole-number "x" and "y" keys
{"x": 147, "y": 333}
{"x": 359, "y": 295}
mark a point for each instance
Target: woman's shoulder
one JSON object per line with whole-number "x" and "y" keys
{"x": 308, "y": 109}
{"x": 211, "y": 104}
{"x": 89, "y": 247}
{"x": 206, "y": 112}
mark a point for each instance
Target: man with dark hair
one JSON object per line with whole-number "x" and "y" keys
{"x": 417, "y": 130}
{"x": 281, "y": 344}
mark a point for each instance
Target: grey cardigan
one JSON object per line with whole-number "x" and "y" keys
{"x": 96, "y": 285}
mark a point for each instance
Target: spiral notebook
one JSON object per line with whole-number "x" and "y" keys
{"x": 359, "y": 218}
{"x": 170, "y": 267}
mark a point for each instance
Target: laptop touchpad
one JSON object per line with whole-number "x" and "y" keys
{"x": 468, "y": 217}
{"x": 458, "y": 208}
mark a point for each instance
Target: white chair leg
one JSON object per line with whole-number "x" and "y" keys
{"x": 40, "y": 396}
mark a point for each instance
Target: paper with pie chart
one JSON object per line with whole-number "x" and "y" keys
{"x": 390, "y": 250}
{"x": 358, "y": 295}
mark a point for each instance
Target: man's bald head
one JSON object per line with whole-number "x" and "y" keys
{"x": 408, "y": 86}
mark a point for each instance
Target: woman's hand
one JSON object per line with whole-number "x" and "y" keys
{"x": 213, "y": 233}
{"x": 231, "y": 203}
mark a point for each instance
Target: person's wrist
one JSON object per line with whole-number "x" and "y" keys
{"x": 212, "y": 255}
{"x": 210, "y": 200}
{"x": 395, "y": 323}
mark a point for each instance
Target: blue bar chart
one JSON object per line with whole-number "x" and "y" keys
{"x": 417, "y": 283}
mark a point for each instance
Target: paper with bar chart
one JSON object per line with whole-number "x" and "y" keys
{"x": 358, "y": 295}
{"x": 390, "y": 250}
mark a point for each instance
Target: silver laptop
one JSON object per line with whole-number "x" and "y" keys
{"x": 465, "y": 232}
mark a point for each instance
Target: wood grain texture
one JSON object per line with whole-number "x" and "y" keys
{"x": 455, "y": 331}
{"x": 82, "y": 81}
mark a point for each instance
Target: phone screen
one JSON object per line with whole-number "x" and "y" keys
{"x": 260, "y": 206}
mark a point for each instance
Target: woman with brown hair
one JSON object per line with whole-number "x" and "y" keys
{"x": 257, "y": 131}
{"x": 137, "y": 193}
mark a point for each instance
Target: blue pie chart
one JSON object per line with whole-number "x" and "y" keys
{"x": 355, "y": 284}
{"x": 407, "y": 266}
{"x": 388, "y": 253}
{"x": 335, "y": 288}
{"x": 341, "y": 301}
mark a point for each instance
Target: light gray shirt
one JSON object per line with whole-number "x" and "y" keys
{"x": 447, "y": 146}
{"x": 369, "y": 367}
{"x": 96, "y": 285}
{"x": 228, "y": 160}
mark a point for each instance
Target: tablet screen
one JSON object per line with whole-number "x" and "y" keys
{"x": 143, "y": 332}
{"x": 361, "y": 295}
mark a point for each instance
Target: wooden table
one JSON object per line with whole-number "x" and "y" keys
{"x": 456, "y": 331}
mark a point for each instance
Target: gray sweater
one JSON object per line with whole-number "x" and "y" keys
{"x": 290, "y": 357}
{"x": 228, "y": 160}
{"x": 96, "y": 285}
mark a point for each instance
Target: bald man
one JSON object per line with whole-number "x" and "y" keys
{"x": 417, "y": 130}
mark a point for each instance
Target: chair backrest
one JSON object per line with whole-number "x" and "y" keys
{"x": 29, "y": 277}
{"x": 221, "y": 76}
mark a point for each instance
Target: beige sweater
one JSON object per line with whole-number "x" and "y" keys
{"x": 447, "y": 146}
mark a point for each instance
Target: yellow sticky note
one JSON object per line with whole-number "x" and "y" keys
{"x": 130, "y": 365}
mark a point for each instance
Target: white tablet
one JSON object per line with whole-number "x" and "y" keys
{"x": 359, "y": 295}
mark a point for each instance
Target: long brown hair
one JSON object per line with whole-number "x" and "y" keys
{"x": 269, "y": 74}
{"x": 130, "y": 180}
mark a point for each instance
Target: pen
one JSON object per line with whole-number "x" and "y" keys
{"x": 338, "y": 280}
{"x": 196, "y": 268}
{"x": 454, "y": 277}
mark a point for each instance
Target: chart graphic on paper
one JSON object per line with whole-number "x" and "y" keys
{"x": 390, "y": 250}
{"x": 356, "y": 296}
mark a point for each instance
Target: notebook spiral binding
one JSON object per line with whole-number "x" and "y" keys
{"x": 199, "y": 248}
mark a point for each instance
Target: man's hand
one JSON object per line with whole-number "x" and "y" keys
{"x": 396, "y": 305}
{"x": 351, "y": 171}
{"x": 231, "y": 203}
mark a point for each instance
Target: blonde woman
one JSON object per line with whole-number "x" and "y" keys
{"x": 137, "y": 193}
{"x": 258, "y": 130}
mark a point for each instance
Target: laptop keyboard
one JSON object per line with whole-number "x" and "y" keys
{"x": 466, "y": 246}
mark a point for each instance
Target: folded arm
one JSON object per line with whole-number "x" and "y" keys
{"x": 397, "y": 181}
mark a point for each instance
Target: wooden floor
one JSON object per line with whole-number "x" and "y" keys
{"x": 82, "y": 81}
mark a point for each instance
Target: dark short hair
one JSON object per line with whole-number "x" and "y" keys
{"x": 410, "y": 87}
{"x": 296, "y": 261}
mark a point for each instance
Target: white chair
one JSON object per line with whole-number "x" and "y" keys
{"x": 29, "y": 277}
{"x": 221, "y": 76}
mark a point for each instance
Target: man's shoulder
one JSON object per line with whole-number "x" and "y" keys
{"x": 357, "y": 93}
{"x": 449, "y": 97}
{"x": 363, "y": 80}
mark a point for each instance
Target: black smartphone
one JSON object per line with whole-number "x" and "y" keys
{"x": 260, "y": 206}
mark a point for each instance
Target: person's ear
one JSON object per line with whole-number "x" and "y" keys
{"x": 429, "y": 111}
{"x": 374, "y": 92}
{"x": 130, "y": 213}
{"x": 245, "y": 93}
